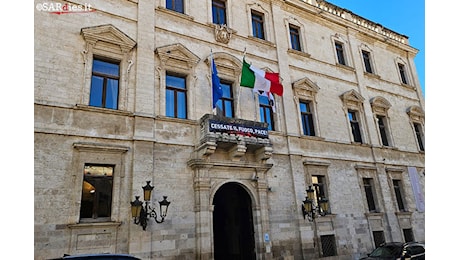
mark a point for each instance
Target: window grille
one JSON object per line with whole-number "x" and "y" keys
{"x": 328, "y": 246}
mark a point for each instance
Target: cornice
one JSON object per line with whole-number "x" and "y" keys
{"x": 349, "y": 19}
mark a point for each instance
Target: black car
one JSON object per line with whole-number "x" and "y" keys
{"x": 398, "y": 251}
{"x": 98, "y": 257}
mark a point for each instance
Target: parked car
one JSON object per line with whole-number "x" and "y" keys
{"x": 398, "y": 251}
{"x": 98, "y": 257}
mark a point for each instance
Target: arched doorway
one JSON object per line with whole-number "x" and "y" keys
{"x": 233, "y": 224}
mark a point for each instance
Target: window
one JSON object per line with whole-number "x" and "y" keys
{"x": 419, "y": 135}
{"x": 266, "y": 113}
{"x": 305, "y": 92}
{"x": 369, "y": 191}
{"x": 380, "y": 108}
{"x": 319, "y": 184}
{"x": 96, "y": 197}
{"x": 397, "y": 186}
{"x": 417, "y": 118}
{"x": 402, "y": 73}
{"x": 219, "y": 15}
{"x": 328, "y": 246}
{"x": 99, "y": 179}
{"x": 175, "y": 5}
{"x": 381, "y": 121}
{"x": 340, "y": 53}
{"x": 178, "y": 63}
{"x": 307, "y": 118}
{"x": 367, "y": 61}
{"x": 104, "y": 84}
{"x": 353, "y": 107}
{"x": 258, "y": 25}
{"x": 225, "y": 103}
{"x": 408, "y": 235}
{"x": 295, "y": 37}
{"x": 108, "y": 64}
{"x": 176, "y": 96}
{"x": 354, "y": 123}
{"x": 379, "y": 238}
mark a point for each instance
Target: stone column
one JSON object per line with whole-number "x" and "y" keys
{"x": 203, "y": 213}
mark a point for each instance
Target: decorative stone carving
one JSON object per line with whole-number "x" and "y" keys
{"x": 222, "y": 33}
{"x": 264, "y": 153}
{"x": 380, "y": 105}
{"x": 238, "y": 151}
{"x": 416, "y": 113}
{"x": 352, "y": 99}
{"x": 108, "y": 37}
{"x": 207, "y": 148}
{"x": 177, "y": 56}
{"x": 305, "y": 89}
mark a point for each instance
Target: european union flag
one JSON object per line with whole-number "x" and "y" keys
{"x": 216, "y": 87}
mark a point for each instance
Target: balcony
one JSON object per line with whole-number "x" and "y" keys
{"x": 237, "y": 137}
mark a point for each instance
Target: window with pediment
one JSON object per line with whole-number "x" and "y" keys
{"x": 403, "y": 72}
{"x": 417, "y": 120}
{"x": 367, "y": 59}
{"x": 259, "y": 21}
{"x": 229, "y": 69}
{"x": 107, "y": 60}
{"x": 354, "y": 111}
{"x": 380, "y": 107}
{"x": 296, "y": 36}
{"x": 340, "y": 46}
{"x": 305, "y": 96}
{"x": 176, "y": 74}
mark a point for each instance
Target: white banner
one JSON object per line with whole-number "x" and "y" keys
{"x": 418, "y": 194}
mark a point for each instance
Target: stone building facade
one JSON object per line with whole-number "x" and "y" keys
{"x": 123, "y": 91}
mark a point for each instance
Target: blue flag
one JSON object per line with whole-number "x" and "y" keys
{"x": 216, "y": 87}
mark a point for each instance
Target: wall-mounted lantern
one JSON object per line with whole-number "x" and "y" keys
{"x": 142, "y": 212}
{"x": 314, "y": 205}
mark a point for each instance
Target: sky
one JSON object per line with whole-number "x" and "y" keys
{"x": 405, "y": 17}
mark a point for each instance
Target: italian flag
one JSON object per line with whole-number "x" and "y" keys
{"x": 257, "y": 79}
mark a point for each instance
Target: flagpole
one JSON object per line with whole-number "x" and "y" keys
{"x": 238, "y": 100}
{"x": 214, "y": 109}
{"x": 240, "y": 89}
{"x": 255, "y": 105}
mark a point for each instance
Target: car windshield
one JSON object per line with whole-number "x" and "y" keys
{"x": 386, "y": 251}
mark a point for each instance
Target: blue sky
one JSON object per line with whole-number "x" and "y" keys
{"x": 406, "y": 17}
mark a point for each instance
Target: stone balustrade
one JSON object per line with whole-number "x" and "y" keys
{"x": 358, "y": 20}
